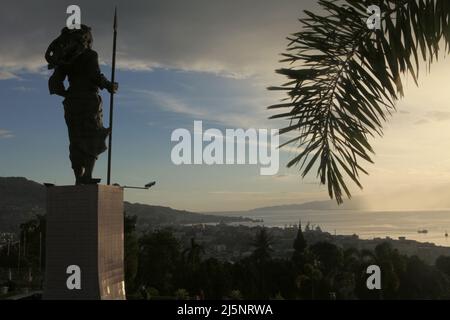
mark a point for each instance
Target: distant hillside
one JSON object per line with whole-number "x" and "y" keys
{"x": 157, "y": 216}
{"x": 354, "y": 204}
{"x": 20, "y": 190}
{"x": 22, "y": 199}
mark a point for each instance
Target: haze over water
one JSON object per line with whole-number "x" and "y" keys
{"x": 366, "y": 224}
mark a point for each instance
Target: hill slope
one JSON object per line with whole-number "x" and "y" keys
{"x": 22, "y": 199}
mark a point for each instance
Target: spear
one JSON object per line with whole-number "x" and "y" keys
{"x": 111, "y": 106}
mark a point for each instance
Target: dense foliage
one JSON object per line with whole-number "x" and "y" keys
{"x": 157, "y": 266}
{"x": 318, "y": 271}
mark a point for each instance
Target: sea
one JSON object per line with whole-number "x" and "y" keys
{"x": 365, "y": 224}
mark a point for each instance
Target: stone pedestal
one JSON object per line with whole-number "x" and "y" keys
{"x": 85, "y": 230}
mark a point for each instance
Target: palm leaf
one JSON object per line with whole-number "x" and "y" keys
{"x": 344, "y": 80}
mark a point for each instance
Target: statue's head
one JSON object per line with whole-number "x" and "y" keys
{"x": 83, "y": 35}
{"x": 68, "y": 46}
{"x": 86, "y": 36}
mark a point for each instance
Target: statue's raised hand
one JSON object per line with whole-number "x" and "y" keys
{"x": 113, "y": 87}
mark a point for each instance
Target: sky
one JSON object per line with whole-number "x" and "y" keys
{"x": 181, "y": 61}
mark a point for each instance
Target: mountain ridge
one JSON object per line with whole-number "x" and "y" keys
{"x": 354, "y": 204}
{"x": 22, "y": 199}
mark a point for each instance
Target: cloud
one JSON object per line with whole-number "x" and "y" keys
{"x": 24, "y": 89}
{"x": 434, "y": 116}
{"x": 438, "y": 115}
{"x": 6, "y": 134}
{"x": 243, "y": 112}
{"x": 169, "y": 103}
{"x": 421, "y": 121}
{"x": 220, "y": 36}
{"x": 6, "y": 75}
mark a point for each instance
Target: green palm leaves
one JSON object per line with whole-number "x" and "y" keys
{"x": 344, "y": 79}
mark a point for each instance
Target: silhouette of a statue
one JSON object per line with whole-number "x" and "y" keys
{"x": 72, "y": 57}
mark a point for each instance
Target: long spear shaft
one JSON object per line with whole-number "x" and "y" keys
{"x": 111, "y": 106}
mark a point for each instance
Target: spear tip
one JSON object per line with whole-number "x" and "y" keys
{"x": 115, "y": 18}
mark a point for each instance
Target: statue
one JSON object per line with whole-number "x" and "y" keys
{"x": 71, "y": 56}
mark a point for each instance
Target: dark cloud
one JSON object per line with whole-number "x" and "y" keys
{"x": 227, "y": 37}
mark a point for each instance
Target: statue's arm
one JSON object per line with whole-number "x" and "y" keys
{"x": 98, "y": 77}
{"x": 56, "y": 82}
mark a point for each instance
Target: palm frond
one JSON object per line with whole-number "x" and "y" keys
{"x": 344, "y": 80}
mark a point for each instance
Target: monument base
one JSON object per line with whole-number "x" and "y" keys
{"x": 84, "y": 243}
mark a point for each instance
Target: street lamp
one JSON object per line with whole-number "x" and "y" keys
{"x": 146, "y": 187}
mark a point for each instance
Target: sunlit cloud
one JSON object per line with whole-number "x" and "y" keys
{"x": 6, "y": 134}
{"x": 6, "y": 75}
{"x": 240, "y": 113}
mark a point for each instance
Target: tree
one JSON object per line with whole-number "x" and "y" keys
{"x": 192, "y": 255}
{"x": 345, "y": 78}
{"x": 329, "y": 256}
{"x": 300, "y": 245}
{"x": 131, "y": 249}
{"x": 330, "y": 260}
{"x": 253, "y": 272}
{"x": 191, "y": 273}
{"x": 182, "y": 294}
{"x": 421, "y": 281}
{"x": 215, "y": 279}
{"x": 263, "y": 246}
{"x": 392, "y": 265}
{"x": 159, "y": 255}
{"x": 32, "y": 246}
{"x": 443, "y": 264}
{"x": 235, "y": 295}
{"x": 307, "y": 281}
